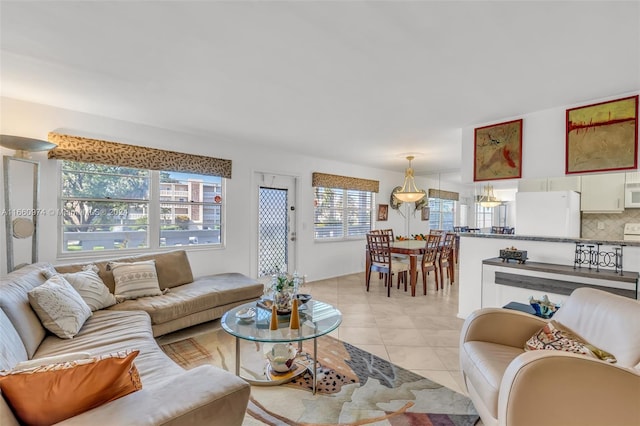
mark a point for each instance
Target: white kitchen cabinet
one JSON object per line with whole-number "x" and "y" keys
{"x": 632, "y": 177}
{"x": 563, "y": 183}
{"x": 603, "y": 193}
{"x": 532, "y": 185}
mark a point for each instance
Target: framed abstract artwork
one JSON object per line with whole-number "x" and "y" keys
{"x": 498, "y": 151}
{"x": 602, "y": 136}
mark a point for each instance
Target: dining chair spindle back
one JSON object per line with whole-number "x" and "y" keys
{"x": 430, "y": 259}
{"x": 445, "y": 258}
{"x": 379, "y": 246}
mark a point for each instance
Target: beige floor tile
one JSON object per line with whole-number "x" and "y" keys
{"x": 366, "y": 320}
{"x": 397, "y": 322}
{"x": 450, "y": 357}
{"x": 444, "y": 378}
{"x": 360, "y": 336}
{"x": 354, "y": 308}
{"x": 415, "y": 358}
{"x": 402, "y": 337}
{"x": 446, "y": 338}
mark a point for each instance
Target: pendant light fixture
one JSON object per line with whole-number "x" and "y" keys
{"x": 409, "y": 192}
{"x": 488, "y": 199}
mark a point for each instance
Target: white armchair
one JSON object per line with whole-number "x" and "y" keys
{"x": 509, "y": 386}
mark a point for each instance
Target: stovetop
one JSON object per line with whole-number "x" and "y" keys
{"x": 632, "y": 232}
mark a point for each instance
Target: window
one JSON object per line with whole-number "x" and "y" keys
{"x": 114, "y": 208}
{"x": 441, "y": 214}
{"x": 342, "y": 213}
{"x": 484, "y": 216}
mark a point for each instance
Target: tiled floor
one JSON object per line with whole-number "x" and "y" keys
{"x": 418, "y": 333}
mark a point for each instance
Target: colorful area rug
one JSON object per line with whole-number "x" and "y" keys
{"x": 355, "y": 387}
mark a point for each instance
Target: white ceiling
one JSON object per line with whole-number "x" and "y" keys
{"x": 364, "y": 82}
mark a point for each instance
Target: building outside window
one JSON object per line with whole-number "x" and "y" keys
{"x": 342, "y": 213}
{"x": 114, "y": 208}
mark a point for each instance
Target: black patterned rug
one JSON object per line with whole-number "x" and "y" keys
{"x": 354, "y": 387}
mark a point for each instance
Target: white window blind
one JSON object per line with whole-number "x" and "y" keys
{"x": 442, "y": 213}
{"x": 342, "y": 213}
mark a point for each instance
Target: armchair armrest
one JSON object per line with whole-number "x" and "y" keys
{"x": 501, "y": 326}
{"x": 568, "y": 389}
{"x": 203, "y": 395}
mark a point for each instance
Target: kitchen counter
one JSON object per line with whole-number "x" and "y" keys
{"x": 531, "y": 278}
{"x": 550, "y": 239}
{"x": 476, "y": 248}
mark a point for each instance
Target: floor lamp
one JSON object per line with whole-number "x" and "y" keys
{"x": 20, "y": 168}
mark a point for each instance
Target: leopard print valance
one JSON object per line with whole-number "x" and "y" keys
{"x": 443, "y": 195}
{"x": 344, "y": 182}
{"x": 86, "y": 150}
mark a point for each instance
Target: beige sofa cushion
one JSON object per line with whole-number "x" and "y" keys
{"x": 605, "y": 320}
{"x": 59, "y": 307}
{"x": 91, "y": 288}
{"x": 12, "y": 350}
{"x": 15, "y": 304}
{"x": 205, "y": 293}
{"x": 135, "y": 279}
{"x": 112, "y": 331}
{"x": 173, "y": 268}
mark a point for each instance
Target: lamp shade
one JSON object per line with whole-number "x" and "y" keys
{"x": 409, "y": 192}
{"x": 23, "y": 146}
{"x": 488, "y": 199}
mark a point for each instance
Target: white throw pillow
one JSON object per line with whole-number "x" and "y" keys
{"x": 91, "y": 287}
{"x": 135, "y": 279}
{"x": 59, "y": 307}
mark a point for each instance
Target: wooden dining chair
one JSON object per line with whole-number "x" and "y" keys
{"x": 381, "y": 261}
{"x": 430, "y": 260}
{"x": 445, "y": 258}
{"x": 390, "y": 233}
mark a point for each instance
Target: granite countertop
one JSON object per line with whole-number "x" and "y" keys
{"x": 550, "y": 239}
{"x": 602, "y": 273}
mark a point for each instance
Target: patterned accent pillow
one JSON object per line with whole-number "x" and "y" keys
{"x": 89, "y": 285}
{"x": 51, "y": 393}
{"x": 135, "y": 279}
{"x": 555, "y": 337}
{"x": 59, "y": 307}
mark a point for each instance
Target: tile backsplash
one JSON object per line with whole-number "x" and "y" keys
{"x": 613, "y": 224}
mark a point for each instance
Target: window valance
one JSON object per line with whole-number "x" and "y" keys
{"x": 443, "y": 195}
{"x": 86, "y": 150}
{"x": 344, "y": 182}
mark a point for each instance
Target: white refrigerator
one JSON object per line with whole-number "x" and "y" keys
{"x": 548, "y": 214}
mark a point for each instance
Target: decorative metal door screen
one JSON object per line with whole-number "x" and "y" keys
{"x": 273, "y": 230}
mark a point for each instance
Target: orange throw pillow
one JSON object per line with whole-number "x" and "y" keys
{"x": 51, "y": 393}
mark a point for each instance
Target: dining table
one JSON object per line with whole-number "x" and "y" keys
{"x": 411, "y": 248}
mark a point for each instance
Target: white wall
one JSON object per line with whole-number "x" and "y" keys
{"x": 316, "y": 260}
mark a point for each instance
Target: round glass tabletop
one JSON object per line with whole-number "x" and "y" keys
{"x": 316, "y": 319}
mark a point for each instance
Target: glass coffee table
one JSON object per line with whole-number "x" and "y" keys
{"x": 316, "y": 319}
